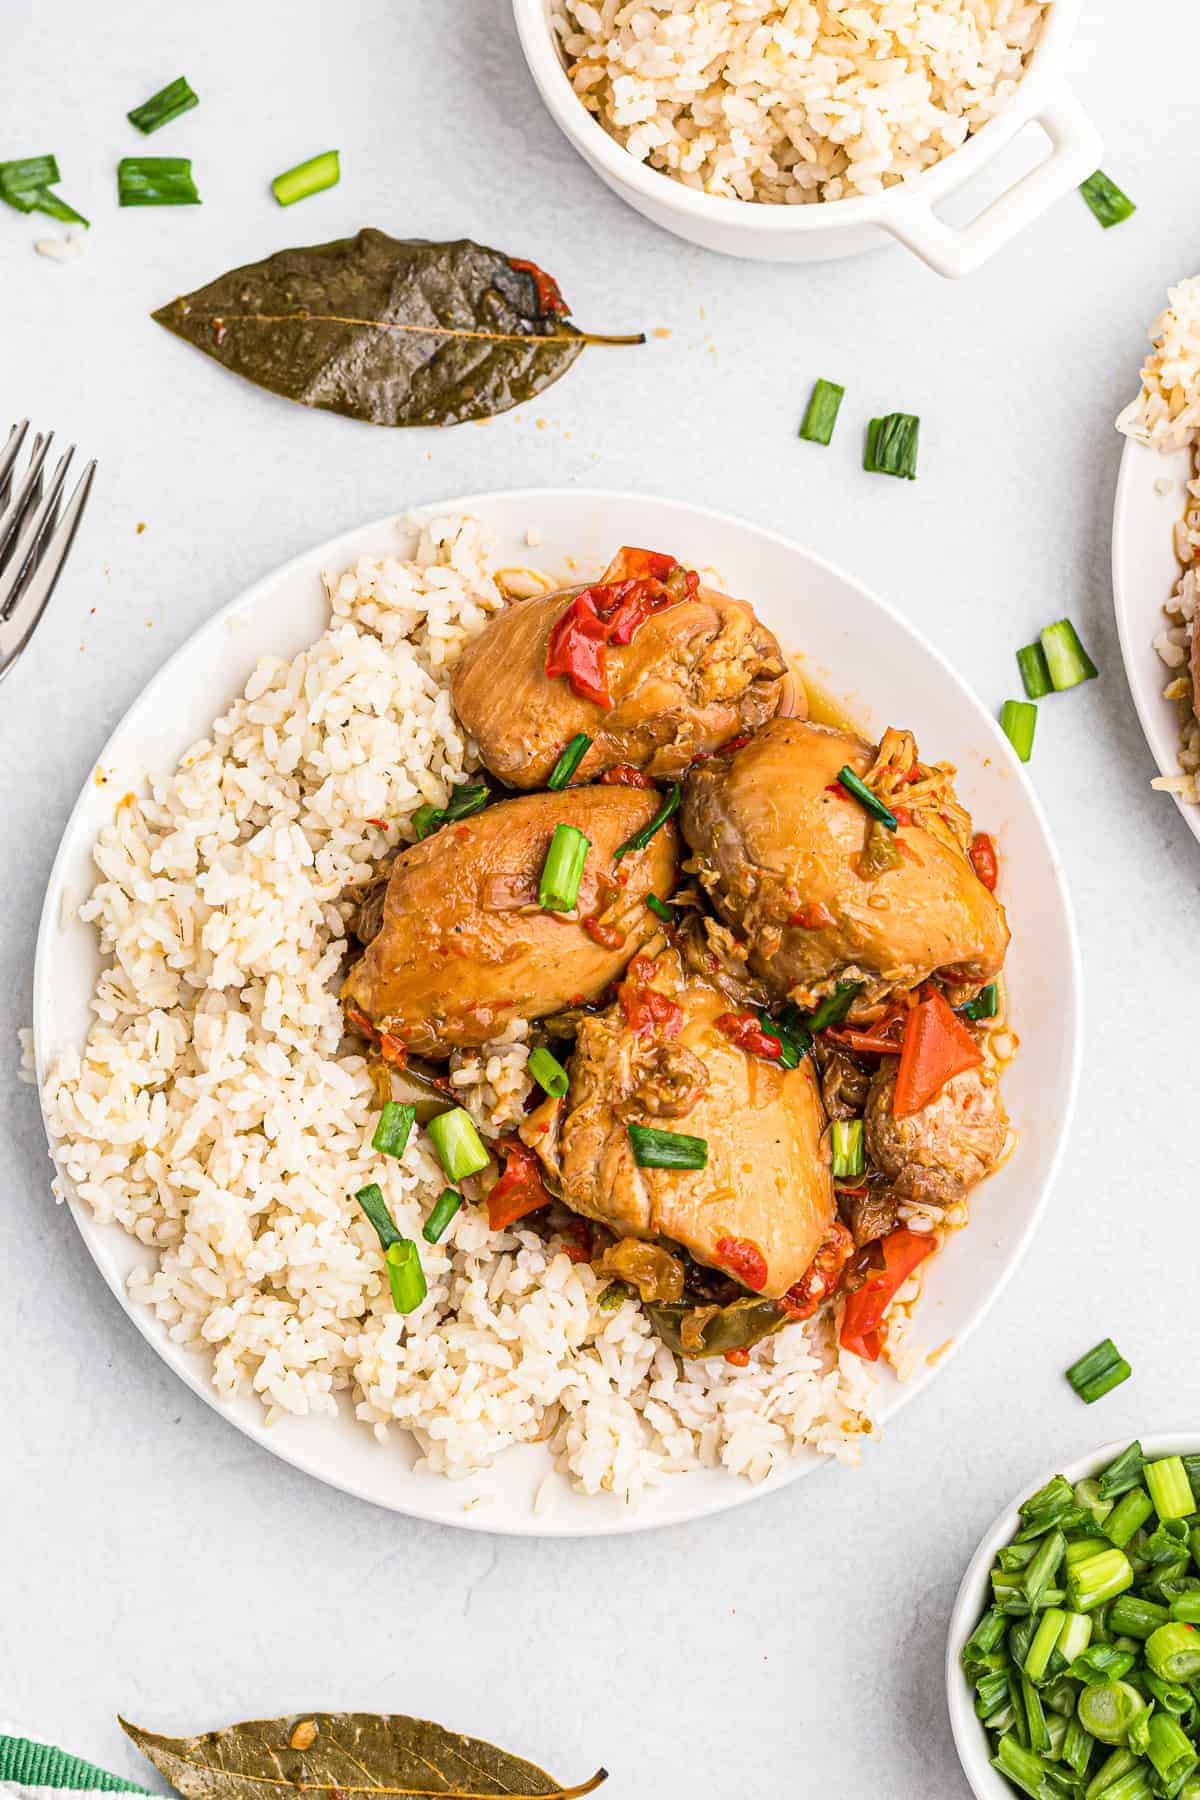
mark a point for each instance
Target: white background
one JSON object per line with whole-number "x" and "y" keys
{"x": 151, "y": 1559}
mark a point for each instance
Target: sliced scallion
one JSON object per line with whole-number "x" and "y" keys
{"x": 1108, "y": 1708}
{"x": 1173, "y": 1652}
{"x": 1066, "y": 659}
{"x": 660, "y": 909}
{"x": 156, "y": 181}
{"x": 562, "y": 871}
{"x": 311, "y": 177}
{"x": 444, "y": 1209}
{"x": 1128, "y": 1516}
{"x": 548, "y": 1072}
{"x": 25, "y": 174}
{"x": 832, "y": 1009}
{"x": 569, "y": 761}
{"x": 891, "y": 447}
{"x": 1170, "y": 1489}
{"x": 169, "y": 103}
{"x": 1098, "y": 1372}
{"x": 467, "y": 798}
{"x": 870, "y": 802}
{"x": 1018, "y": 722}
{"x": 459, "y": 1146}
{"x": 1106, "y": 200}
{"x": 641, "y": 838}
{"x": 846, "y": 1141}
{"x": 654, "y": 1149}
{"x": 371, "y": 1199}
{"x": 1171, "y": 1751}
{"x": 1123, "y": 1473}
{"x": 394, "y": 1128}
{"x": 55, "y": 207}
{"x": 406, "y": 1277}
{"x": 1097, "y": 1579}
{"x": 427, "y": 819}
{"x": 820, "y": 415}
{"x": 1035, "y": 671}
{"x": 985, "y": 1005}
{"x": 794, "y": 1044}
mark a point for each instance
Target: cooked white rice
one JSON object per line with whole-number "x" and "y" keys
{"x": 794, "y": 101}
{"x": 1166, "y": 416}
{"x": 214, "y": 1115}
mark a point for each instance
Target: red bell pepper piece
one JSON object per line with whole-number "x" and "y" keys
{"x": 520, "y": 1189}
{"x": 937, "y": 1046}
{"x": 862, "y": 1321}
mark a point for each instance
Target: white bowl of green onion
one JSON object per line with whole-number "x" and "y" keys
{"x": 1073, "y": 1657}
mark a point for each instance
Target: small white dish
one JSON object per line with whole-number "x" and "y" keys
{"x": 974, "y": 1595}
{"x": 1151, "y": 494}
{"x": 860, "y": 651}
{"x": 837, "y": 228}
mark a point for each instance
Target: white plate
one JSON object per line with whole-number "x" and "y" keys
{"x": 1144, "y": 575}
{"x": 859, "y": 650}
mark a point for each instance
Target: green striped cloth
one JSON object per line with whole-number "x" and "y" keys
{"x": 30, "y": 1770}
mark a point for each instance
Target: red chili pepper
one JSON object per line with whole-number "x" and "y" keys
{"x": 625, "y": 775}
{"x": 862, "y": 1322}
{"x": 823, "y": 1275}
{"x": 635, "y": 584}
{"x": 393, "y": 1051}
{"x": 576, "y": 650}
{"x": 646, "y": 1010}
{"x": 577, "y": 1246}
{"x": 739, "y": 1358}
{"x": 734, "y": 744}
{"x": 359, "y": 1021}
{"x": 610, "y": 937}
{"x": 984, "y": 860}
{"x": 379, "y": 824}
{"x": 549, "y": 295}
{"x": 901, "y": 815}
{"x": 520, "y": 1190}
{"x": 743, "y": 1258}
{"x": 744, "y": 1030}
{"x": 814, "y": 916}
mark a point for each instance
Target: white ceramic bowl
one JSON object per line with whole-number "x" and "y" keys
{"x": 819, "y": 233}
{"x": 1144, "y": 574}
{"x": 974, "y": 1595}
{"x": 857, "y": 649}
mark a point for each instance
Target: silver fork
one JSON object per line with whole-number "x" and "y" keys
{"x": 35, "y": 540}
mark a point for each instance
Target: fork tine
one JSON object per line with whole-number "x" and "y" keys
{"x": 18, "y": 628}
{"x": 8, "y": 458}
{"x": 25, "y": 496}
{"x": 33, "y": 537}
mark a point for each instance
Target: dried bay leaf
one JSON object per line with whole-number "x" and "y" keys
{"x": 393, "y": 331}
{"x": 344, "y": 1754}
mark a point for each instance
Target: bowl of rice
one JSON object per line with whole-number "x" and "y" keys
{"x": 806, "y": 130}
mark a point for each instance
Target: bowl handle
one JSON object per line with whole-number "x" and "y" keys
{"x": 1075, "y": 151}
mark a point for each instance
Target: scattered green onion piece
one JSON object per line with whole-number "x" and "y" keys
{"x": 614, "y": 1296}
{"x": 55, "y": 207}
{"x": 406, "y": 1277}
{"x": 849, "y": 1160}
{"x": 1185, "y": 1608}
{"x": 1115, "y": 1769}
{"x": 1178, "y": 1700}
{"x": 820, "y": 415}
{"x": 459, "y": 1147}
{"x": 26, "y": 174}
{"x": 1108, "y": 1708}
{"x": 985, "y": 1005}
{"x": 832, "y": 1009}
{"x": 1045, "y": 1641}
{"x": 1097, "y": 1579}
{"x": 1192, "y": 1465}
{"x": 1079, "y": 1549}
{"x": 1018, "y": 722}
{"x": 1173, "y": 1652}
{"x": 1171, "y": 1751}
{"x": 169, "y": 103}
{"x": 467, "y": 798}
{"x": 548, "y": 1072}
{"x": 1127, "y": 1516}
{"x": 156, "y": 181}
{"x": 891, "y": 447}
{"x": 1170, "y": 1488}
{"x": 311, "y": 177}
{"x": 1124, "y": 1473}
{"x": 1066, "y": 658}
{"x": 569, "y": 761}
{"x": 1035, "y": 671}
{"x": 866, "y": 799}
{"x": 1035, "y": 1717}
{"x": 794, "y": 1043}
{"x": 1106, "y": 200}
{"x": 1133, "y": 1617}
{"x": 990, "y": 1692}
{"x": 1045, "y": 1508}
{"x": 654, "y": 1149}
{"x": 444, "y": 1209}
{"x": 641, "y": 838}
{"x": 371, "y": 1199}
{"x": 1098, "y": 1372}
{"x": 660, "y": 909}
{"x": 394, "y": 1128}
{"x": 562, "y": 871}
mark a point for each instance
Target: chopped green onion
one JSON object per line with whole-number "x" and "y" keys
{"x": 832, "y": 1009}
{"x": 1097, "y": 1579}
{"x": 990, "y": 1691}
{"x": 985, "y": 1005}
{"x": 569, "y": 761}
{"x": 444, "y": 1209}
{"x": 55, "y": 207}
{"x": 1114, "y": 1771}
{"x": 26, "y": 174}
{"x": 1106, "y": 200}
{"x": 1130, "y": 1616}
{"x": 1170, "y": 1489}
{"x": 1018, "y": 722}
{"x": 459, "y": 1147}
{"x": 1098, "y": 1372}
{"x": 156, "y": 181}
{"x": 986, "y": 1637}
{"x": 1021, "y": 1766}
{"x": 548, "y": 1072}
{"x": 794, "y": 1045}
{"x": 1088, "y": 1496}
{"x": 1045, "y": 1641}
{"x": 847, "y": 1144}
{"x": 654, "y": 1149}
{"x": 1185, "y": 1608}
{"x": 641, "y": 838}
{"x": 426, "y": 820}
{"x": 866, "y": 799}
{"x": 614, "y": 1296}
{"x": 1101, "y": 1662}
{"x": 820, "y": 416}
{"x": 562, "y": 871}
{"x": 406, "y": 1277}
{"x": 1178, "y": 1700}
{"x": 1074, "y": 1637}
{"x": 1192, "y": 1465}
{"x": 1170, "y": 1750}
{"x": 660, "y": 909}
{"x": 1124, "y": 1473}
{"x": 1066, "y": 658}
{"x": 467, "y": 798}
{"x": 1077, "y": 1746}
{"x": 1108, "y": 1708}
{"x": 169, "y": 103}
{"x": 891, "y": 447}
{"x": 1035, "y": 671}
{"x": 370, "y": 1198}
{"x": 1035, "y": 1718}
{"x": 1042, "y": 1570}
{"x": 1045, "y": 1508}
{"x": 1128, "y": 1516}
{"x": 1173, "y": 1652}
{"x": 311, "y": 177}
{"x": 394, "y": 1128}
{"x": 1079, "y": 1549}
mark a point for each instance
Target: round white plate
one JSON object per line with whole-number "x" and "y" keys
{"x": 1144, "y": 574}
{"x": 860, "y": 651}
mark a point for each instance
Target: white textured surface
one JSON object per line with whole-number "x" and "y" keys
{"x": 151, "y": 1559}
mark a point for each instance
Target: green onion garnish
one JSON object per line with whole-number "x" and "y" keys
{"x": 406, "y": 1277}
{"x": 444, "y": 1209}
{"x": 794, "y": 1039}
{"x": 55, "y": 207}
{"x": 832, "y": 1009}
{"x": 641, "y": 838}
{"x": 847, "y": 1143}
{"x": 1173, "y": 1652}
{"x": 1170, "y": 1489}
{"x": 319, "y": 172}
{"x": 1066, "y": 659}
{"x": 1129, "y": 1616}
{"x": 1018, "y": 722}
{"x": 467, "y": 798}
{"x": 169, "y": 103}
{"x": 1102, "y": 1369}
{"x": 1128, "y": 1516}
{"x": 891, "y": 447}
{"x": 549, "y": 1073}
{"x": 427, "y": 819}
{"x": 569, "y": 761}
{"x": 562, "y": 871}
{"x": 459, "y": 1146}
{"x": 1108, "y": 1708}
{"x": 866, "y": 799}
{"x": 1170, "y": 1750}
{"x": 371, "y": 1199}
{"x": 653, "y": 1149}
{"x": 156, "y": 181}
{"x": 660, "y": 909}
{"x": 1106, "y": 200}
{"x": 26, "y": 174}
{"x": 1098, "y": 1578}
{"x": 1035, "y": 671}
{"x": 1122, "y": 1474}
{"x": 394, "y": 1128}
{"x": 985, "y": 1005}
{"x": 820, "y": 416}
